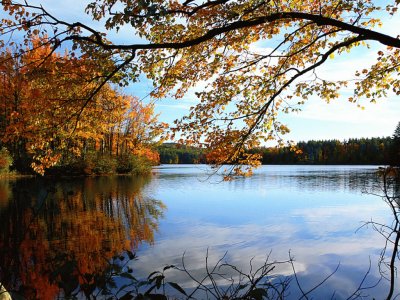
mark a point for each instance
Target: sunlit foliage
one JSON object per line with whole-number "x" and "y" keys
{"x": 48, "y": 109}
{"x": 256, "y": 58}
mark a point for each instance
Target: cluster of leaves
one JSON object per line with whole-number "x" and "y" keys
{"x": 137, "y": 164}
{"x": 52, "y": 110}
{"x": 92, "y": 162}
{"x": 247, "y": 84}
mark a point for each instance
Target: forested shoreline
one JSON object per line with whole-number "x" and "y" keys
{"x": 363, "y": 151}
{"x": 357, "y": 151}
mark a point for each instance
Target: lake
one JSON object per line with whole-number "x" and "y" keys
{"x": 316, "y": 213}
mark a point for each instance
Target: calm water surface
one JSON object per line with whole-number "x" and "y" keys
{"x": 312, "y": 211}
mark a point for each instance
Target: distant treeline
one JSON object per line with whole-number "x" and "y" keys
{"x": 171, "y": 153}
{"x": 353, "y": 151}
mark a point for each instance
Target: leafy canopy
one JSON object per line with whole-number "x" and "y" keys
{"x": 179, "y": 44}
{"x": 49, "y": 112}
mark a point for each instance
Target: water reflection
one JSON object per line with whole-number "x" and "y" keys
{"x": 312, "y": 210}
{"x": 51, "y": 228}
{"x": 302, "y": 177}
{"x": 318, "y": 178}
{"x": 52, "y": 233}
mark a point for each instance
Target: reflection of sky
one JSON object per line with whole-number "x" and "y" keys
{"x": 314, "y": 211}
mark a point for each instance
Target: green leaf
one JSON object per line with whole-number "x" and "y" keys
{"x": 159, "y": 280}
{"x": 129, "y": 276}
{"x": 149, "y": 290}
{"x": 131, "y": 255}
{"x": 151, "y": 274}
{"x": 177, "y": 287}
{"x": 168, "y": 267}
{"x": 241, "y": 287}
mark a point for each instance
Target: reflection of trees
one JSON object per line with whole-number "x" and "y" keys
{"x": 351, "y": 180}
{"x": 75, "y": 226}
{"x": 5, "y": 193}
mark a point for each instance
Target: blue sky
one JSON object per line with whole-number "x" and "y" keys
{"x": 317, "y": 120}
{"x": 339, "y": 119}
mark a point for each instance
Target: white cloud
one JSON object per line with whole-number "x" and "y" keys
{"x": 385, "y": 110}
{"x": 175, "y": 106}
{"x": 243, "y": 248}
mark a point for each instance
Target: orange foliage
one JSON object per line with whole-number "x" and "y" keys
{"x": 151, "y": 155}
{"x": 52, "y": 106}
{"x": 89, "y": 226}
{"x": 216, "y": 45}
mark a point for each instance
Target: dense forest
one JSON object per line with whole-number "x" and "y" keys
{"x": 53, "y": 119}
{"x": 171, "y": 153}
{"x": 380, "y": 151}
{"x": 353, "y": 151}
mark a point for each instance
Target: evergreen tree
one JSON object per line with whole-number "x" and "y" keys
{"x": 395, "y": 147}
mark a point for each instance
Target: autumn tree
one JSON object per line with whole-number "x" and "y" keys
{"x": 49, "y": 111}
{"x": 184, "y": 43}
{"x": 43, "y": 101}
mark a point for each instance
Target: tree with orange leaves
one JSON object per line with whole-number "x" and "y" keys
{"x": 46, "y": 114}
{"x": 187, "y": 42}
